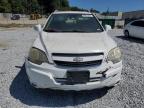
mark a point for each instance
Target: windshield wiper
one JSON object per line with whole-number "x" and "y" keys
{"x": 74, "y": 31}
{"x": 78, "y": 31}
{"x": 50, "y": 30}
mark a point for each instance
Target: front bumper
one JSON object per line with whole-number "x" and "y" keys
{"x": 43, "y": 76}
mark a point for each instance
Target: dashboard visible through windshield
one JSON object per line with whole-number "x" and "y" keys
{"x": 73, "y": 23}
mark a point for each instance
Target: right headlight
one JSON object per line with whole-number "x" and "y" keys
{"x": 37, "y": 56}
{"x": 114, "y": 55}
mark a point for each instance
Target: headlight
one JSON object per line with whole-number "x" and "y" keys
{"x": 115, "y": 55}
{"x": 37, "y": 56}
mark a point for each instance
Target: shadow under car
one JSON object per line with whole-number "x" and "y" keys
{"x": 131, "y": 39}
{"x": 21, "y": 89}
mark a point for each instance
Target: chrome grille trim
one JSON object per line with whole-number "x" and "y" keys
{"x": 77, "y": 54}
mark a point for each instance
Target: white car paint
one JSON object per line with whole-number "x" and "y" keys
{"x": 135, "y": 31}
{"x": 47, "y": 75}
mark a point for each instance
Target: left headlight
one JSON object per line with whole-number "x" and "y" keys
{"x": 115, "y": 55}
{"x": 37, "y": 56}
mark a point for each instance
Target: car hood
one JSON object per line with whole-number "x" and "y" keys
{"x": 77, "y": 42}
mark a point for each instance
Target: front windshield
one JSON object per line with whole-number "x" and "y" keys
{"x": 73, "y": 23}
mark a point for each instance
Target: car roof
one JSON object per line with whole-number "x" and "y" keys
{"x": 136, "y": 20}
{"x": 71, "y": 12}
{"x": 141, "y": 19}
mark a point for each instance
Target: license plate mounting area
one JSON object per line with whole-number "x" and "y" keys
{"x": 77, "y": 77}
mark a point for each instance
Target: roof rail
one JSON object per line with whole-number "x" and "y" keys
{"x": 81, "y": 10}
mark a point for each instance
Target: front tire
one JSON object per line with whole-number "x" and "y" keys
{"x": 126, "y": 33}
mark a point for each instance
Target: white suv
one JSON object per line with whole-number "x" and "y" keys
{"x": 73, "y": 52}
{"x": 135, "y": 29}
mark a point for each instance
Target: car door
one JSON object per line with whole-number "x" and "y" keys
{"x": 133, "y": 29}
{"x": 136, "y": 29}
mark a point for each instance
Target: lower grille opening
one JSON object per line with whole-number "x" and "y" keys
{"x": 64, "y": 81}
{"x": 78, "y": 64}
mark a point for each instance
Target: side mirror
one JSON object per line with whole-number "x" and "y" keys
{"x": 108, "y": 27}
{"x": 38, "y": 28}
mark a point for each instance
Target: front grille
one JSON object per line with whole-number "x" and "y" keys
{"x": 78, "y": 64}
{"x": 68, "y": 59}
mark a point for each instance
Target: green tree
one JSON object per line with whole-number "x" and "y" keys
{"x": 24, "y": 6}
{"x": 25, "y": 3}
{"x": 51, "y": 5}
{"x": 35, "y": 8}
{"x": 77, "y": 9}
{"x": 5, "y": 6}
{"x": 64, "y": 3}
{"x": 16, "y": 6}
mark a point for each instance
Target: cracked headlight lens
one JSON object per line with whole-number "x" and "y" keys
{"x": 115, "y": 55}
{"x": 37, "y": 56}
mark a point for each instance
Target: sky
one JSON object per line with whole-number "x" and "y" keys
{"x": 112, "y": 5}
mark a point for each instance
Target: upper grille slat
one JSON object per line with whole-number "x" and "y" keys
{"x": 76, "y": 55}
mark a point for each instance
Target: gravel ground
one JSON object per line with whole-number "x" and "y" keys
{"x": 16, "y": 92}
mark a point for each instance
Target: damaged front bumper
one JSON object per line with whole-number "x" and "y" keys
{"x": 49, "y": 76}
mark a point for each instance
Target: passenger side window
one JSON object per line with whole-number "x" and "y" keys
{"x": 138, "y": 23}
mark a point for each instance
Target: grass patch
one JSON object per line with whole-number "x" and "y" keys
{"x": 16, "y": 25}
{"x": 3, "y": 45}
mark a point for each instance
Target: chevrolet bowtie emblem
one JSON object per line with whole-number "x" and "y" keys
{"x": 78, "y": 59}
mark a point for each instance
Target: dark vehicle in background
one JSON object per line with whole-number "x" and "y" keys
{"x": 15, "y": 17}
